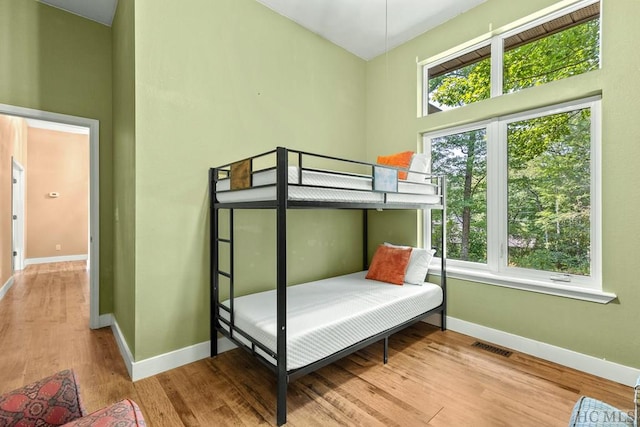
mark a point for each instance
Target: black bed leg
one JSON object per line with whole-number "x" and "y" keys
{"x": 386, "y": 350}
{"x": 443, "y": 321}
{"x": 281, "y": 409}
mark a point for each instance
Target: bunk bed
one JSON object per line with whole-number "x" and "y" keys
{"x": 287, "y": 328}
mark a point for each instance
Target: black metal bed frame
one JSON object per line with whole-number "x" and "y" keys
{"x": 282, "y": 203}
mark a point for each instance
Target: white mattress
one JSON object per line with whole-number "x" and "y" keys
{"x": 348, "y": 189}
{"x": 328, "y": 315}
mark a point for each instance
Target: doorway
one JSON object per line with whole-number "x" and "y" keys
{"x": 93, "y": 262}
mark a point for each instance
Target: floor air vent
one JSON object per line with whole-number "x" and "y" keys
{"x": 493, "y": 349}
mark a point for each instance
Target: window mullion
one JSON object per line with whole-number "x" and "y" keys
{"x": 496, "y": 195}
{"x": 496, "y": 66}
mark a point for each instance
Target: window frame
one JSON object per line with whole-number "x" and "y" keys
{"x": 496, "y": 271}
{"x": 496, "y": 39}
{"x": 447, "y": 58}
{"x": 427, "y": 213}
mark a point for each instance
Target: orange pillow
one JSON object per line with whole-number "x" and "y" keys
{"x": 399, "y": 160}
{"x": 389, "y": 264}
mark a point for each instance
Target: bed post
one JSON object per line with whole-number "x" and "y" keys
{"x": 443, "y": 255}
{"x": 281, "y": 290}
{"x": 385, "y": 356}
{"x": 213, "y": 264}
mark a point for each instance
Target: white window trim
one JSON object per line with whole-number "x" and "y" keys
{"x": 496, "y": 271}
{"x": 595, "y": 279}
{"x": 496, "y": 39}
{"x": 487, "y": 278}
{"x": 497, "y": 66}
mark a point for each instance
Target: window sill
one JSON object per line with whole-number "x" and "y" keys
{"x": 488, "y": 278}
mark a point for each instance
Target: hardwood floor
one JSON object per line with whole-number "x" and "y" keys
{"x": 433, "y": 378}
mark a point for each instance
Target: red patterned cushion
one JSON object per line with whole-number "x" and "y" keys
{"x": 52, "y": 401}
{"x": 122, "y": 414}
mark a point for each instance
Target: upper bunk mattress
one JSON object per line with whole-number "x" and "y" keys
{"x": 329, "y": 315}
{"x": 326, "y": 186}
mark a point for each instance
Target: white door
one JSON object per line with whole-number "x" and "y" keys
{"x": 18, "y": 215}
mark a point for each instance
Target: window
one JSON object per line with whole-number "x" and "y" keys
{"x": 523, "y": 195}
{"x": 560, "y": 45}
{"x": 563, "y": 47}
{"x": 549, "y": 192}
{"x": 462, "y": 156}
{"x": 459, "y": 81}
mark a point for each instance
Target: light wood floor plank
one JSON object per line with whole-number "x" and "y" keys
{"x": 433, "y": 378}
{"x": 155, "y": 404}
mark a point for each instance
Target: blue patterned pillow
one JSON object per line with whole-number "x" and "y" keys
{"x": 589, "y": 412}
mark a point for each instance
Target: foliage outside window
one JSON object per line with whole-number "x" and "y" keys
{"x": 559, "y": 47}
{"x": 549, "y": 193}
{"x": 567, "y": 53}
{"x": 463, "y": 158}
{"x": 460, "y": 81}
{"x": 535, "y": 212}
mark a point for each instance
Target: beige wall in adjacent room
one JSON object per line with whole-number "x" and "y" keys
{"x": 58, "y": 162}
{"x": 12, "y": 144}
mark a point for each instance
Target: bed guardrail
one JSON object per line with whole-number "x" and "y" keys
{"x": 360, "y": 179}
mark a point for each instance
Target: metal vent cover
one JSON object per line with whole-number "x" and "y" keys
{"x": 492, "y": 349}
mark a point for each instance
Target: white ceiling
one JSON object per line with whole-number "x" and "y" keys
{"x": 101, "y": 11}
{"x": 363, "y": 27}
{"x": 366, "y": 27}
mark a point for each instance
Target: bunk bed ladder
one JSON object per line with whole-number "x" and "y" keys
{"x": 215, "y": 272}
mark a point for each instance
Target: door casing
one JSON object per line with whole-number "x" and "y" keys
{"x": 93, "y": 264}
{"x": 17, "y": 211}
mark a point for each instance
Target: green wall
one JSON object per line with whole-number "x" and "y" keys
{"x": 216, "y": 81}
{"x": 603, "y": 331}
{"x": 230, "y": 78}
{"x": 55, "y": 61}
{"x": 124, "y": 138}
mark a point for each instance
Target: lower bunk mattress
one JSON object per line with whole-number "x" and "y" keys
{"x": 326, "y": 316}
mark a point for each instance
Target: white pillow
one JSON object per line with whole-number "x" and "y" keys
{"x": 420, "y": 162}
{"x": 418, "y": 264}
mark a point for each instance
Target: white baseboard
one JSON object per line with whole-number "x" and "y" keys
{"x": 582, "y": 362}
{"x": 127, "y": 357}
{"x": 45, "y": 260}
{"x": 602, "y": 368}
{"x": 164, "y": 362}
{"x": 174, "y": 359}
{"x": 104, "y": 320}
{"x": 5, "y": 288}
